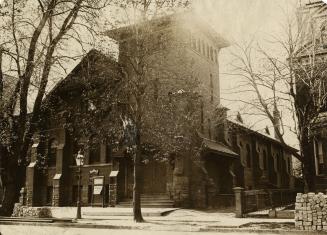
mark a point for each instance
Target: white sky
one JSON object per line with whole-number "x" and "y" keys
{"x": 239, "y": 21}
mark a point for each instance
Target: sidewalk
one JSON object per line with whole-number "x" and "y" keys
{"x": 176, "y": 220}
{"x": 183, "y": 220}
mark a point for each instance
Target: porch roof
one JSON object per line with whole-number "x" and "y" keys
{"x": 218, "y": 148}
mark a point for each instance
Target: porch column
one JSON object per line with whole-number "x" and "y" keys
{"x": 239, "y": 201}
{"x": 113, "y": 188}
{"x": 30, "y": 184}
{"x": 57, "y": 179}
{"x": 56, "y": 190}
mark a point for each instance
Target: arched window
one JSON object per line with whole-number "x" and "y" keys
{"x": 264, "y": 155}
{"x": 248, "y": 156}
{"x": 94, "y": 146}
{"x": 52, "y": 152}
{"x": 209, "y": 128}
{"x": 216, "y": 56}
{"x": 211, "y": 88}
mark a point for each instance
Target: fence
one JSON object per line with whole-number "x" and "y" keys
{"x": 223, "y": 201}
{"x": 253, "y": 200}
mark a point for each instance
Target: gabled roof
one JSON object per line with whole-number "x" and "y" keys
{"x": 74, "y": 81}
{"x": 219, "y": 148}
{"x": 264, "y": 136}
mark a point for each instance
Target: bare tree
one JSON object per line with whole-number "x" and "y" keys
{"x": 289, "y": 87}
{"x": 139, "y": 57}
{"x": 34, "y": 46}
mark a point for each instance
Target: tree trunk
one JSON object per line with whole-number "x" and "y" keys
{"x": 11, "y": 187}
{"x": 137, "y": 213}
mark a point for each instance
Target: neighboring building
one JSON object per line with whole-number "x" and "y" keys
{"x": 231, "y": 154}
{"x": 312, "y": 57}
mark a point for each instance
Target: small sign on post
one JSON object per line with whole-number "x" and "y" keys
{"x": 98, "y": 184}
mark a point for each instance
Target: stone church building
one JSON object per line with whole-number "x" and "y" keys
{"x": 231, "y": 154}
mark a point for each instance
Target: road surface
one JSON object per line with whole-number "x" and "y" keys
{"x": 50, "y": 230}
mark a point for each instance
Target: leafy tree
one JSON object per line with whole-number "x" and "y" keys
{"x": 36, "y": 42}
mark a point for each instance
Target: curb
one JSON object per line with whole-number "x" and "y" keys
{"x": 227, "y": 229}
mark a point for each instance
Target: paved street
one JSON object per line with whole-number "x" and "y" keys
{"x": 43, "y": 230}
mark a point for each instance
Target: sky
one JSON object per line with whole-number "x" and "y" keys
{"x": 240, "y": 21}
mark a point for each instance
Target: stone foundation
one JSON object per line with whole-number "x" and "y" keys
{"x": 311, "y": 211}
{"x": 35, "y": 212}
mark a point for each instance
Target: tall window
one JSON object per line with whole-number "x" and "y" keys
{"x": 216, "y": 56}
{"x": 278, "y": 163}
{"x": 52, "y": 152}
{"x": 203, "y": 48}
{"x": 94, "y": 154}
{"x": 211, "y": 53}
{"x": 264, "y": 160}
{"x": 248, "y": 156}
{"x": 211, "y": 88}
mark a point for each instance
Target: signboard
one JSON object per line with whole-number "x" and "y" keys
{"x": 98, "y": 180}
{"x": 97, "y": 189}
{"x": 113, "y": 173}
{"x": 98, "y": 194}
{"x": 98, "y": 185}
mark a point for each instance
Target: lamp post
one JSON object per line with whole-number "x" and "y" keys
{"x": 79, "y": 162}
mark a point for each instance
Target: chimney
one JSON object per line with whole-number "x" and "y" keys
{"x": 276, "y": 122}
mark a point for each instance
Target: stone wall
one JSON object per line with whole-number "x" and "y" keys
{"x": 35, "y": 212}
{"x": 311, "y": 211}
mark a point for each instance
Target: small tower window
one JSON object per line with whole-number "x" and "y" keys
{"x": 203, "y": 48}
{"x": 211, "y": 88}
{"x": 211, "y": 53}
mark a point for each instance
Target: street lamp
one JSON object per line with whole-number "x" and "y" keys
{"x": 79, "y": 162}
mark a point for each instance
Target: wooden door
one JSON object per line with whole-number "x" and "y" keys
{"x": 154, "y": 177}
